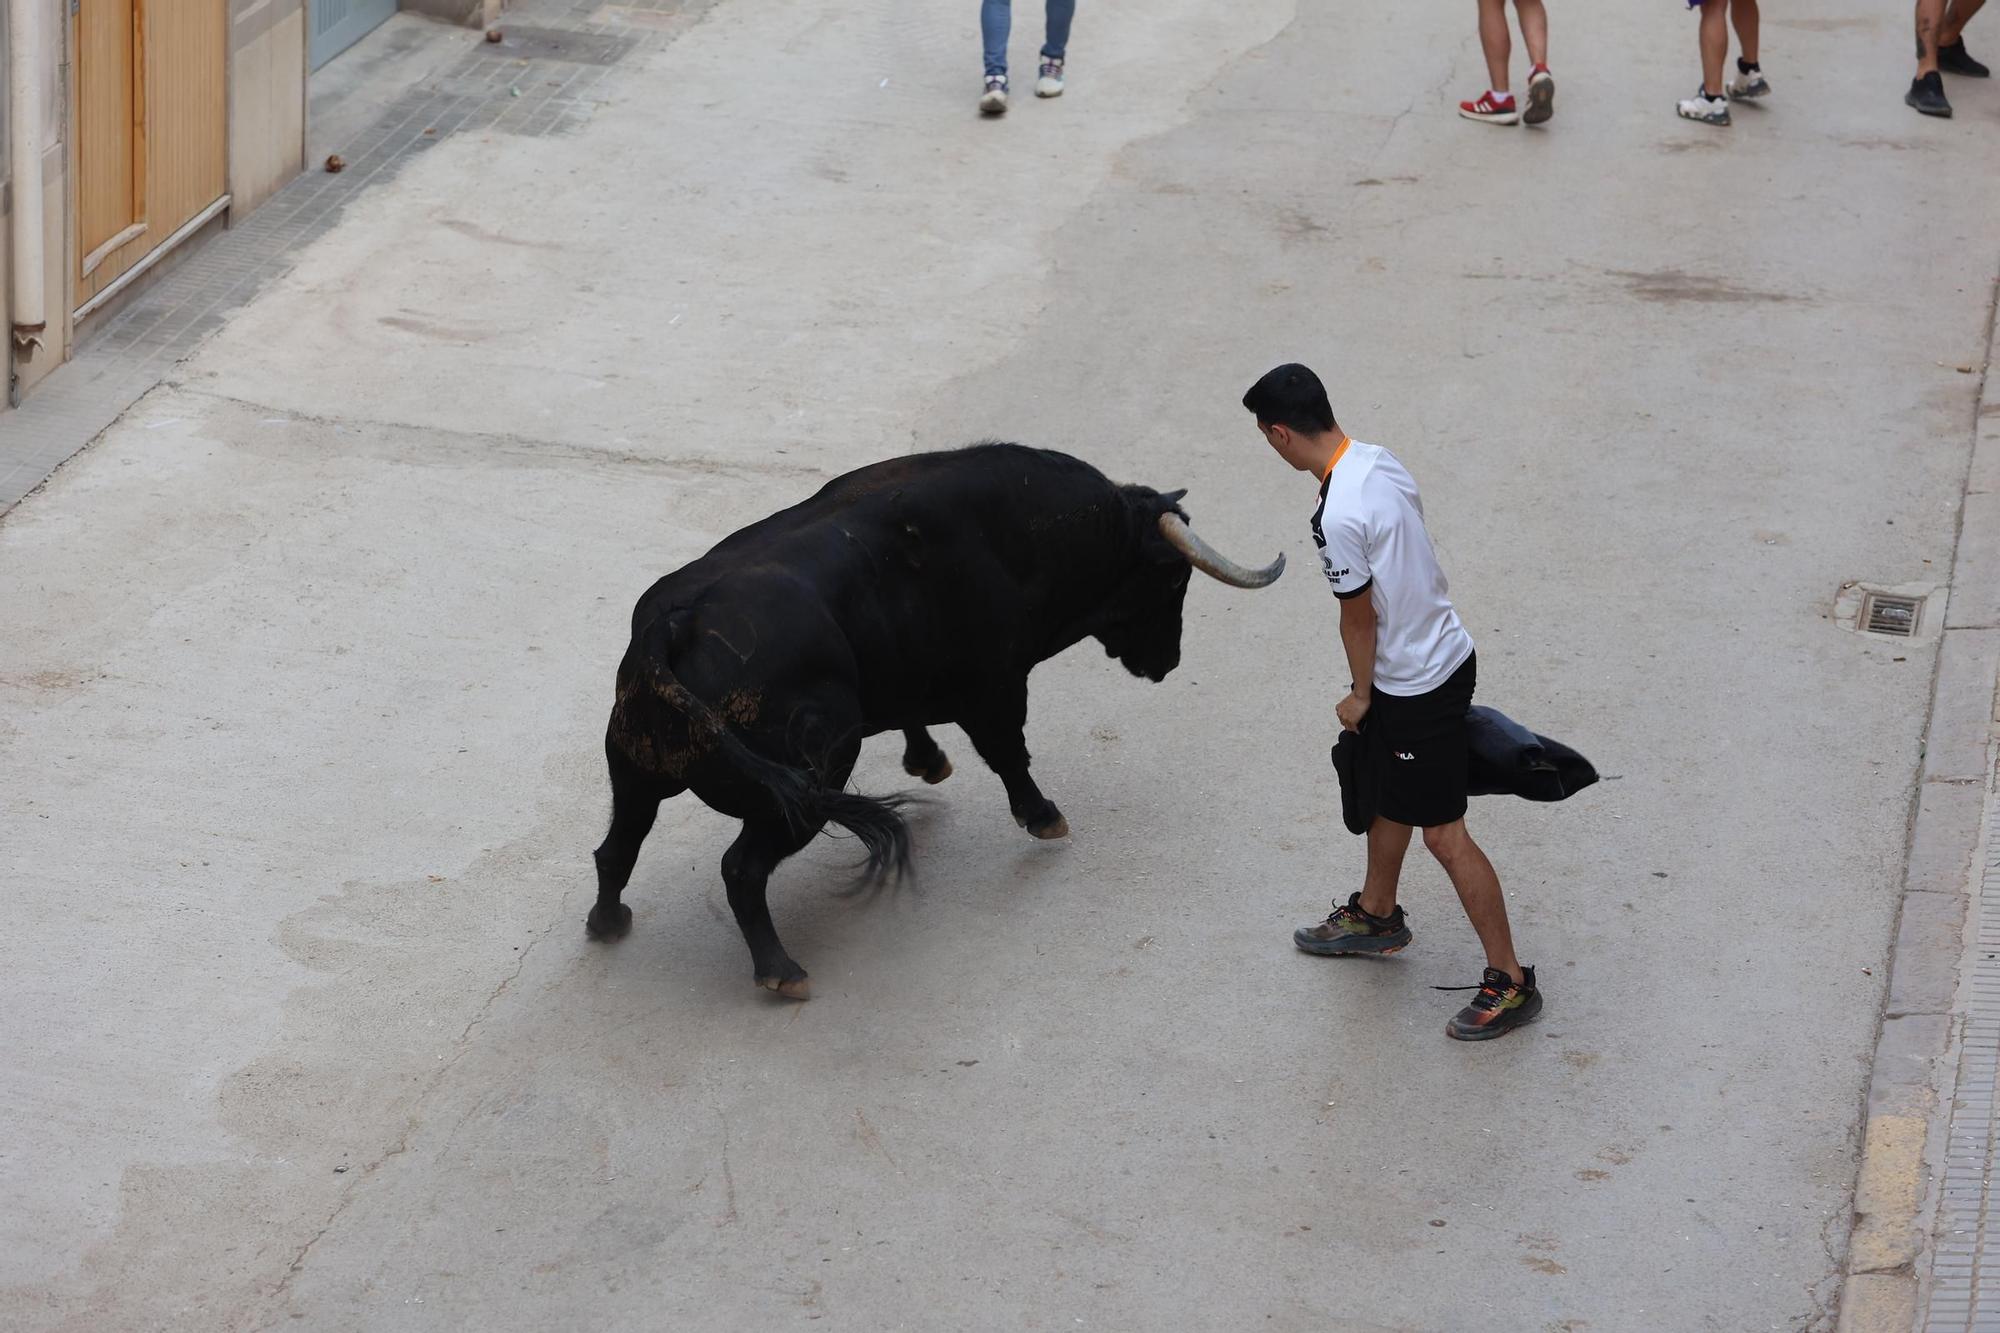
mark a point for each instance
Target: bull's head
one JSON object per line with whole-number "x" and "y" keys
{"x": 1142, "y": 626}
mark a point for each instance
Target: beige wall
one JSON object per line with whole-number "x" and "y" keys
{"x": 267, "y": 99}
{"x": 55, "y": 205}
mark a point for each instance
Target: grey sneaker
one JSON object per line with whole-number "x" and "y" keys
{"x": 1748, "y": 84}
{"x": 1349, "y": 930}
{"x": 994, "y": 101}
{"x": 1709, "y": 110}
{"x": 1050, "y": 84}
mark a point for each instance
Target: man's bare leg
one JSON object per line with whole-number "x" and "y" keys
{"x": 1930, "y": 18}
{"x": 1952, "y": 26}
{"x": 1478, "y": 891}
{"x": 1534, "y": 18}
{"x": 1387, "y": 841}
{"x": 1746, "y": 18}
{"x": 1495, "y": 41}
{"x": 1714, "y": 45}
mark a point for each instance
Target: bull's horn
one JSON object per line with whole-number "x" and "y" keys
{"x": 1206, "y": 559}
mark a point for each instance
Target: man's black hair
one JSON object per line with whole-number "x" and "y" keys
{"x": 1291, "y": 396}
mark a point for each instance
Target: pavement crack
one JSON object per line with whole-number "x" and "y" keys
{"x": 460, "y": 1045}
{"x": 729, "y": 1215}
{"x": 453, "y": 447}
{"x": 874, "y": 1140}
{"x": 1436, "y": 91}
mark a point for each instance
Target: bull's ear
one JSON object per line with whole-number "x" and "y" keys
{"x": 1171, "y": 500}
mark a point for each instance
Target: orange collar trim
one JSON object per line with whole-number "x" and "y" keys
{"x": 1338, "y": 454}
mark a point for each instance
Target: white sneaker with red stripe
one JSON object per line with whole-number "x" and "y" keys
{"x": 1491, "y": 109}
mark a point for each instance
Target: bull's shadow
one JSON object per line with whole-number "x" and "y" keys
{"x": 903, "y": 595}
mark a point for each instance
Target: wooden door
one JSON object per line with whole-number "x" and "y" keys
{"x": 152, "y": 121}
{"x": 111, "y": 129}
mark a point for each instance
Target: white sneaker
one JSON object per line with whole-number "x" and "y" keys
{"x": 1708, "y": 110}
{"x": 1743, "y": 87}
{"x": 1051, "y": 82}
{"x": 994, "y": 102}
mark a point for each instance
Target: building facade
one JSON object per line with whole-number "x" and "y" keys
{"x": 148, "y": 124}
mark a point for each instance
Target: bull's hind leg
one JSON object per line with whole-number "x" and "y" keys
{"x": 635, "y": 802}
{"x": 746, "y": 870}
{"x": 922, "y": 758}
{"x": 996, "y": 734}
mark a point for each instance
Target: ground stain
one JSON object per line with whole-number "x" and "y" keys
{"x": 1673, "y": 285}
{"x": 441, "y": 332}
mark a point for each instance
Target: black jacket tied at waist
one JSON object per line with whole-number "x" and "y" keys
{"x": 1504, "y": 759}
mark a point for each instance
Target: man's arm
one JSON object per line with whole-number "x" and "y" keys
{"x": 1357, "y": 636}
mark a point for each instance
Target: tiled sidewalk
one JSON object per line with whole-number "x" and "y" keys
{"x": 544, "y": 78}
{"x": 1965, "y": 1265}
{"x": 1925, "y": 1249}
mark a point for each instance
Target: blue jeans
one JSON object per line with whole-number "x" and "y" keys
{"x": 996, "y": 16}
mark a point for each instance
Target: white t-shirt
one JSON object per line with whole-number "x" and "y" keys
{"x": 1369, "y": 528}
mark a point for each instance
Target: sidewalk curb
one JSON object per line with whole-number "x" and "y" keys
{"x": 1907, "y": 1121}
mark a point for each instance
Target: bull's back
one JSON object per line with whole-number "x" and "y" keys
{"x": 906, "y": 582}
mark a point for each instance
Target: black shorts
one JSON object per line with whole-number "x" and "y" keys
{"x": 1418, "y": 746}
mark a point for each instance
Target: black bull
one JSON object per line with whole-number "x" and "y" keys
{"x": 909, "y": 593}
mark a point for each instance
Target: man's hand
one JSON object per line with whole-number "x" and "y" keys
{"x": 1350, "y": 711}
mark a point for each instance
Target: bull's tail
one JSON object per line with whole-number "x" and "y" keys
{"x": 802, "y": 799}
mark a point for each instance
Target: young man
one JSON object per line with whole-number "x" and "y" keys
{"x": 1709, "y": 105}
{"x": 996, "y": 18}
{"x": 1941, "y": 45}
{"x": 1496, "y": 105}
{"x": 1413, "y": 669}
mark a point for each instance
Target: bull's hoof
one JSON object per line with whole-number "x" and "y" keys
{"x": 1058, "y": 828}
{"x": 933, "y": 769}
{"x": 1047, "y": 825}
{"x": 933, "y": 773}
{"x": 613, "y": 925}
{"x": 799, "y": 988}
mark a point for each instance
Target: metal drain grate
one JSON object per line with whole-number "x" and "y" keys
{"x": 1887, "y": 613}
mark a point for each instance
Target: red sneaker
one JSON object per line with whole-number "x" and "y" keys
{"x": 1491, "y": 110}
{"x": 1541, "y": 96}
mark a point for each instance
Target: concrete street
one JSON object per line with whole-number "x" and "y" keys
{"x": 307, "y": 660}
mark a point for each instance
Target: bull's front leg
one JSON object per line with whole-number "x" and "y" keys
{"x": 996, "y": 734}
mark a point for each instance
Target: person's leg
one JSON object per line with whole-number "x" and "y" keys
{"x": 1369, "y": 922}
{"x": 1534, "y": 16}
{"x": 996, "y": 18}
{"x": 1387, "y": 841}
{"x": 1478, "y": 892}
{"x": 1956, "y": 15}
{"x": 1714, "y": 45}
{"x": 1930, "y": 18}
{"x": 1493, "y": 38}
{"x": 1060, "y": 12}
{"x": 1744, "y": 15}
